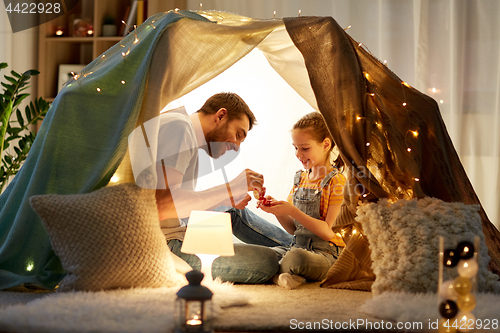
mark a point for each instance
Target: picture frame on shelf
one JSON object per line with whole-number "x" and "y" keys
{"x": 65, "y": 74}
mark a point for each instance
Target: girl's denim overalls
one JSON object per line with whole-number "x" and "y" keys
{"x": 314, "y": 263}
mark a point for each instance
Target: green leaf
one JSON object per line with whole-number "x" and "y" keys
{"x": 27, "y": 113}
{"x": 14, "y": 131}
{"x": 3, "y": 65}
{"x": 20, "y": 118}
{"x": 16, "y": 74}
{"x": 22, "y": 144}
{"x": 11, "y": 79}
{"x": 32, "y": 72}
{"x": 26, "y": 76}
{"x": 19, "y": 99}
{"x": 9, "y": 88}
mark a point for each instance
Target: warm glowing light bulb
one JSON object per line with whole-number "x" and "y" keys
{"x": 441, "y": 101}
{"x": 358, "y": 118}
{"x": 300, "y": 11}
{"x": 434, "y": 90}
{"x": 404, "y": 103}
{"x": 417, "y": 179}
{"x": 466, "y": 320}
{"x": 462, "y": 286}
{"x": 467, "y": 303}
{"x": 385, "y": 62}
{"x": 415, "y": 133}
{"x": 368, "y": 144}
{"x": 354, "y": 231}
{"x": 115, "y": 179}
{"x": 98, "y": 89}
{"x": 408, "y": 149}
{"x": 359, "y": 45}
{"x": 122, "y": 82}
{"x": 467, "y": 268}
{"x": 176, "y": 9}
{"x": 30, "y": 266}
{"x": 274, "y": 14}
{"x": 447, "y": 291}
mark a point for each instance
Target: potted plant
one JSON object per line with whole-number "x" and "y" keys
{"x": 17, "y": 134}
{"x": 108, "y": 25}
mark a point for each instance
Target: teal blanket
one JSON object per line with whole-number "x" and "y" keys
{"x": 78, "y": 148}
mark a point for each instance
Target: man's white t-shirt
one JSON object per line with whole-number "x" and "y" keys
{"x": 177, "y": 149}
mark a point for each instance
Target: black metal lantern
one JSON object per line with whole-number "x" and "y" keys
{"x": 193, "y": 307}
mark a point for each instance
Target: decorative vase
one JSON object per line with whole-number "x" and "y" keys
{"x": 109, "y": 30}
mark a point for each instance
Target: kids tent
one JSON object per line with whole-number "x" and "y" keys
{"x": 373, "y": 116}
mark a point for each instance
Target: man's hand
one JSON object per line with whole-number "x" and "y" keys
{"x": 246, "y": 181}
{"x": 243, "y": 203}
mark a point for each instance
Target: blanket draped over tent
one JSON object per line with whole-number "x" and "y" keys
{"x": 83, "y": 140}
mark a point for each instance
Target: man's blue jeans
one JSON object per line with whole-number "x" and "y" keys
{"x": 253, "y": 262}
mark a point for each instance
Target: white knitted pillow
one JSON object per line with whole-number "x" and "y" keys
{"x": 404, "y": 242}
{"x": 109, "y": 238}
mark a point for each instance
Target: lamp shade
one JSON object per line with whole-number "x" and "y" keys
{"x": 208, "y": 233}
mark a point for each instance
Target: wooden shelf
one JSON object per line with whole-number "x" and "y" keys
{"x": 54, "y": 51}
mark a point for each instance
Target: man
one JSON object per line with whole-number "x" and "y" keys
{"x": 220, "y": 125}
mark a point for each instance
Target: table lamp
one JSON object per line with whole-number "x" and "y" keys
{"x": 208, "y": 235}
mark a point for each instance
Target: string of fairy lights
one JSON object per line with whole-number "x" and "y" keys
{"x": 414, "y": 133}
{"x": 404, "y": 104}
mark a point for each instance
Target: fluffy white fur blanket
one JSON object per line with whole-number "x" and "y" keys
{"x": 410, "y": 309}
{"x": 131, "y": 310}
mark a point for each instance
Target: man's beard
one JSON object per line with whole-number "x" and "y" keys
{"x": 216, "y": 142}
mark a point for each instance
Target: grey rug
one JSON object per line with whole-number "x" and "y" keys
{"x": 240, "y": 308}
{"x": 308, "y": 308}
{"x": 121, "y": 311}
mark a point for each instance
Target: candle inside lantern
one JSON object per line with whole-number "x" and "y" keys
{"x": 195, "y": 321}
{"x": 59, "y": 32}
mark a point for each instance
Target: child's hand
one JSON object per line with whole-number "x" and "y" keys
{"x": 277, "y": 207}
{"x": 260, "y": 196}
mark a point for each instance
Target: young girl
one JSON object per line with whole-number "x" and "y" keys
{"x": 311, "y": 207}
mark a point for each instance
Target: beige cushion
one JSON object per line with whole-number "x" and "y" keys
{"x": 404, "y": 242}
{"x": 109, "y": 238}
